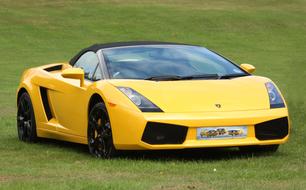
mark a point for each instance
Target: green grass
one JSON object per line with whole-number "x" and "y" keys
{"x": 268, "y": 34}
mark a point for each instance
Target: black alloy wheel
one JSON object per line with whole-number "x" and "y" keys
{"x": 99, "y": 134}
{"x": 26, "y": 125}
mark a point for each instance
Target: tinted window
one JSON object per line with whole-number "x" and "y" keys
{"x": 89, "y": 63}
{"x": 139, "y": 62}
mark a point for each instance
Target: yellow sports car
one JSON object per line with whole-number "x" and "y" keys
{"x": 151, "y": 95}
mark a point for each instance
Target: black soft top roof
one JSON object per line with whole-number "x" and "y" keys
{"x": 97, "y": 47}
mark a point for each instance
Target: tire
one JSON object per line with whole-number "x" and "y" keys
{"x": 26, "y": 125}
{"x": 99, "y": 133}
{"x": 263, "y": 148}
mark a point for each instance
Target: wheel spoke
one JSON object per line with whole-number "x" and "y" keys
{"x": 92, "y": 123}
{"x": 24, "y": 105}
{"x": 107, "y": 125}
{"x": 91, "y": 141}
{"x": 20, "y": 118}
{"x": 28, "y": 127}
{"x": 27, "y": 114}
{"x": 21, "y": 107}
{"x": 106, "y": 134}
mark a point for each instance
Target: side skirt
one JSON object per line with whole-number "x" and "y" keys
{"x": 45, "y": 133}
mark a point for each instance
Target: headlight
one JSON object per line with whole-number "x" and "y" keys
{"x": 139, "y": 100}
{"x": 276, "y": 100}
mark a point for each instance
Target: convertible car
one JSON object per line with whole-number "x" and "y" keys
{"x": 151, "y": 95}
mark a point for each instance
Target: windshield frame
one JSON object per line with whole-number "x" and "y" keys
{"x": 106, "y": 64}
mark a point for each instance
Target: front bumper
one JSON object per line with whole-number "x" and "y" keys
{"x": 129, "y": 129}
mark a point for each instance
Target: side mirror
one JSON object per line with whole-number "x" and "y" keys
{"x": 248, "y": 67}
{"x": 74, "y": 73}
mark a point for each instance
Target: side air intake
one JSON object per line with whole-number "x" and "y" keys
{"x": 44, "y": 98}
{"x": 54, "y": 68}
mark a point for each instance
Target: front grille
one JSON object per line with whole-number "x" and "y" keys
{"x": 161, "y": 133}
{"x": 273, "y": 129}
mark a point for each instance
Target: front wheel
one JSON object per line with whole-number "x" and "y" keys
{"x": 99, "y": 134}
{"x": 26, "y": 125}
{"x": 263, "y": 148}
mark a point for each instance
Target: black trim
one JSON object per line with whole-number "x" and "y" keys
{"x": 162, "y": 133}
{"x": 54, "y": 68}
{"x": 156, "y": 109}
{"x": 280, "y": 105}
{"x": 97, "y": 47}
{"x": 44, "y": 98}
{"x": 273, "y": 129}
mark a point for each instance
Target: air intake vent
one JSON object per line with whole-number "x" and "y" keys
{"x": 44, "y": 98}
{"x": 273, "y": 129}
{"x": 54, "y": 68}
{"x": 160, "y": 133}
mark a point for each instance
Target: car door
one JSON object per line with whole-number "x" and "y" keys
{"x": 71, "y": 101}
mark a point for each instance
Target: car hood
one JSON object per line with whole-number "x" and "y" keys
{"x": 236, "y": 94}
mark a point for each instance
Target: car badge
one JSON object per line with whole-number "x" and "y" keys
{"x": 218, "y": 105}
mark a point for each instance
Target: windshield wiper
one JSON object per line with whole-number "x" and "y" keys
{"x": 177, "y": 77}
{"x": 191, "y": 77}
{"x": 163, "y": 77}
{"x": 201, "y": 76}
{"x": 232, "y": 76}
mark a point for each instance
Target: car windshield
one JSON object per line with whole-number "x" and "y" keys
{"x": 167, "y": 62}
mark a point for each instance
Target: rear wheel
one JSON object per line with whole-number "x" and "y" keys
{"x": 263, "y": 148}
{"x": 26, "y": 126}
{"x": 99, "y": 134}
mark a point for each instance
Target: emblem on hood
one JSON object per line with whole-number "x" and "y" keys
{"x": 218, "y": 105}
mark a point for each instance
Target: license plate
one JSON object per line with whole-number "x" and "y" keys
{"x": 207, "y": 133}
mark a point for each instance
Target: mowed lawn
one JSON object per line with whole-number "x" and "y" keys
{"x": 271, "y": 35}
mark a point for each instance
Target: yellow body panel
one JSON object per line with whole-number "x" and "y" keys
{"x": 201, "y": 95}
{"x": 189, "y": 103}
